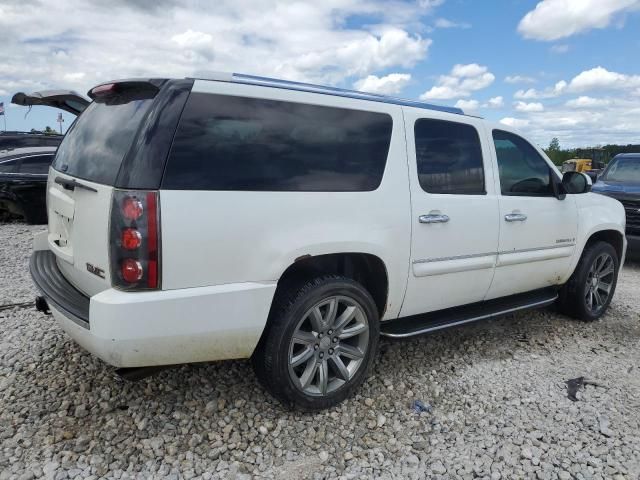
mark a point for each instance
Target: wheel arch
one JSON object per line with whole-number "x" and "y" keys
{"x": 613, "y": 237}
{"x": 611, "y": 234}
{"x": 366, "y": 268}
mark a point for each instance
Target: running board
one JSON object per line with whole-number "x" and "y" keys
{"x": 432, "y": 321}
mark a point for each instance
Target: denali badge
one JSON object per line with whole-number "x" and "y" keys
{"x": 95, "y": 270}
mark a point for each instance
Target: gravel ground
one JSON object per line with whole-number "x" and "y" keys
{"x": 499, "y": 406}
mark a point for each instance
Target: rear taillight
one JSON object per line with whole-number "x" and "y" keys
{"x": 135, "y": 240}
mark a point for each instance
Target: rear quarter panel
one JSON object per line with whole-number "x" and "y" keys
{"x": 218, "y": 237}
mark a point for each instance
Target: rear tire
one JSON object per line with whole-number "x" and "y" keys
{"x": 319, "y": 343}
{"x": 588, "y": 293}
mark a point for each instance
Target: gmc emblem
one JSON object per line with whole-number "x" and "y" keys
{"x": 95, "y": 270}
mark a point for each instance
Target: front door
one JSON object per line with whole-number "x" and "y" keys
{"x": 537, "y": 230}
{"x": 454, "y": 212}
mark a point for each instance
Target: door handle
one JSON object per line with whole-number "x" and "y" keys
{"x": 515, "y": 217}
{"x": 433, "y": 218}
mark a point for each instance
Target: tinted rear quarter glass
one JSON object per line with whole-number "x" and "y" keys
{"x": 236, "y": 143}
{"x": 449, "y": 157}
{"x": 96, "y": 144}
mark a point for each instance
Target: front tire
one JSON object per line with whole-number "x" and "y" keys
{"x": 319, "y": 344}
{"x": 588, "y": 293}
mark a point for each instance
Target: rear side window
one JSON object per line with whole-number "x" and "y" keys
{"x": 36, "y": 164}
{"x": 96, "y": 144}
{"x": 236, "y": 143}
{"x": 449, "y": 158}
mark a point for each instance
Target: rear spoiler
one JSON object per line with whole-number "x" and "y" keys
{"x": 123, "y": 91}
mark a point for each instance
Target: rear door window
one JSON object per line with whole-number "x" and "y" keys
{"x": 96, "y": 144}
{"x": 449, "y": 157}
{"x": 236, "y": 143}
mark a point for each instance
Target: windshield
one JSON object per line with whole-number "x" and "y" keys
{"x": 99, "y": 139}
{"x": 624, "y": 170}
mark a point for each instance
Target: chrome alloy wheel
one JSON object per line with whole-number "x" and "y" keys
{"x": 328, "y": 345}
{"x": 599, "y": 282}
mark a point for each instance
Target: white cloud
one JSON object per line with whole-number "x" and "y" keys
{"x": 74, "y": 77}
{"x": 446, "y": 23}
{"x": 389, "y": 84}
{"x": 528, "y": 107}
{"x": 192, "y": 39}
{"x": 587, "y": 102}
{"x": 496, "y": 102}
{"x": 559, "y": 88}
{"x": 305, "y": 41}
{"x": 560, "y": 48}
{"x": 519, "y": 79}
{"x": 601, "y": 78}
{"x": 554, "y": 19}
{"x": 430, "y": 4}
{"x": 461, "y": 82}
{"x": 515, "y": 122}
{"x": 597, "y": 78}
{"x": 467, "y": 104}
{"x": 583, "y": 121}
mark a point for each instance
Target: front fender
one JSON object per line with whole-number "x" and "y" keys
{"x": 597, "y": 213}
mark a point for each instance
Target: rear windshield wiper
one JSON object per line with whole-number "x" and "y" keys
{"x": 72, "y": 184}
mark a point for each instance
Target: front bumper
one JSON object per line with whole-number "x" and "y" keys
{"x": 137, "y": 329}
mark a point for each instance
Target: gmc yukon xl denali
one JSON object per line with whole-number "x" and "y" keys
{"x": 293, "y": 224}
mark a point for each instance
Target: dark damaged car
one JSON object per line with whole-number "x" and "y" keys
{"x": 25, "y": 159}
{"x": 621, "y": 180}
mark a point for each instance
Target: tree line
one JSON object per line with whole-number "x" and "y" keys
{"x": 559, "y": 155}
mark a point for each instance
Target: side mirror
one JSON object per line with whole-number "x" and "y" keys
{"x": 576, "y": 182}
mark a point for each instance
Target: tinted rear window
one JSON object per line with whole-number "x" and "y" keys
{"x": 449, "y": 158}
{"x": 97, "y": 142}
{"x": 236, "y": 143}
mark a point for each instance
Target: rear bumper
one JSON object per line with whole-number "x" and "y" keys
{"x": 136, "y": 329}
{"x": 60, "y": 294}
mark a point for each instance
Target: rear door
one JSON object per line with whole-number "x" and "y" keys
{"x": 80, "y": 186}
{"x": 454, "y": 212}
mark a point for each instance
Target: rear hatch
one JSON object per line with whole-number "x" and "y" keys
{"x": 66, "y": 100}
{"x": 86, "y": 170}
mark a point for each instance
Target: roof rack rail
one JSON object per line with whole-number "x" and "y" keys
{"x": 339, "y": 92}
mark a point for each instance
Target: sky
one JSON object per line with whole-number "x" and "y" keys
{"x": 552, "y": 68}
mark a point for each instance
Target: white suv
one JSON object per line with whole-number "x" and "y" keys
{"x": 238, "y": 216}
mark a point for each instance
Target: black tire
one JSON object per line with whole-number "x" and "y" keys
{"x": 271, "y": 359}
{"x": 573, "y": 300}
